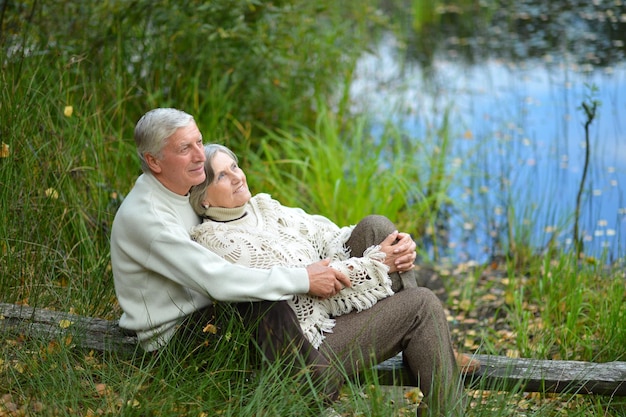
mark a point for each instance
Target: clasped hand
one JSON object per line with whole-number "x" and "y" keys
{"x": 399, "y": 249}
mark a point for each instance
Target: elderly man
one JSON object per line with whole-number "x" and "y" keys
{"x": 162, "y": 277}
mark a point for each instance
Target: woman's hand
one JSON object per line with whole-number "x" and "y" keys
{"x": 400, "y": 253}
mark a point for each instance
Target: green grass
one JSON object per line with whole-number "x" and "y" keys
{"x": 64, "y": 176}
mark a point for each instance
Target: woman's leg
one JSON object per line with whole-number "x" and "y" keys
{"x": 371, "y": 231}
{"x": 412, "y": 322}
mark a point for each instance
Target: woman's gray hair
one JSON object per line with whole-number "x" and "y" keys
{"x": 197, "y": 192}
{"x": 153, "y": 130}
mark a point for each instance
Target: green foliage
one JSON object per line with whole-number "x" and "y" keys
{"x": 191, "y": 377}
{"x": 561, "y": 307}
{"x": 54, "y": 193}
{"x": 343, "y": 175}
{"x": 262, "y": 78}
{"x": 264, "y": 60}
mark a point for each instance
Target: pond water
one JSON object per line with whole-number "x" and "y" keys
{"x": 518, "y": 148}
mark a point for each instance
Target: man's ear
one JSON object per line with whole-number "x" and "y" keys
{"x": 153, "y": 163}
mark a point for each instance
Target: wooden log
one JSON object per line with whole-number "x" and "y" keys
{"x": 497, "y": 372}
{"x": 87, "y": 332}
{"x": 608, "y": 378}
{"x": 531, "y": 375}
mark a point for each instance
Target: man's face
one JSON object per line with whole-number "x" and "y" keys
{"x": 181, "y": 165}
{"x": 229, "y": 187}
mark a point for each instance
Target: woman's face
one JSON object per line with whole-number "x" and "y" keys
{"x": 229, "y": 187}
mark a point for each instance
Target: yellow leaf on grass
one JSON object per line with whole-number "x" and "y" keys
{"x": 68, "y": 111}
{"x": 64, "y": 324}
{"x": 4, "y": 151}
{"x": 210, "y": 328}
{"x": 414, "y": 396}
{"x": 52, "y": 193}
{"x": 470, "y": 343}
{"x": 102, "y": 390}
{"x": 19, "y": 367}
{"x": 465, "y": 304}
{"x": 509, "y": 297}
{"x": 512, "y": 353}
{"x": 133, "y": 403}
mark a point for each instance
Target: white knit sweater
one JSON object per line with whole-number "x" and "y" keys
{"x": 264, "y": 233}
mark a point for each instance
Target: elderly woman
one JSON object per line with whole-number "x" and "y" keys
{"x": 259, "y": 232}
{"x": 361, "y": 321}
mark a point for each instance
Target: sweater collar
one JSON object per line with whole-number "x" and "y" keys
{"x": 222, "y": 214}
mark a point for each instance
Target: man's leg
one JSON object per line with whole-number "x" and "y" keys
{"x": 279, "y": 337}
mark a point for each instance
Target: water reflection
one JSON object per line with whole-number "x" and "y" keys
{"x": 592, "y": 33}
{"x": 514, "y": 90}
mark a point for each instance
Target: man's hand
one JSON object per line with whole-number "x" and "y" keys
{"x": 325, "y": 281}
{"x": 400, "y": 251}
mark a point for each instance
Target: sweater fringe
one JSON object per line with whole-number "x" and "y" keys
{"x": 315, "y": 333}
{"x": 362, "y": 295}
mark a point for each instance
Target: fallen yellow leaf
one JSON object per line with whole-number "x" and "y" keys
{"x": 68, "y": 111}
{"x": 4, "y": 151}
{"x": 465, "y": 304}
{"x": 64, "y": 324}
{"x": 52, "y": 347}
{"x": 133, "y": 403}
{"x": 19, "y": 367}
{"x": 210, "y": 328}
{"x": 101, "y": 389}
{"x": 52, "y": 193}
{"x": 414, "y": 396}
{"x": 512, "y": 353}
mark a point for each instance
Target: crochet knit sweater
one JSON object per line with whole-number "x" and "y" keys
{"x": 264, "y": 233}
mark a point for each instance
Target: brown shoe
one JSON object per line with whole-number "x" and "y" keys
{"x": 467, "y": 365}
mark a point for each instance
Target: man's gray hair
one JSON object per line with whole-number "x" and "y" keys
{"x": 153, "y": 130}
{"x": 197, "y": 192}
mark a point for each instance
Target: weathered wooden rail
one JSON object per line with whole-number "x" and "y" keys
{"x": 500, "y": 372}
